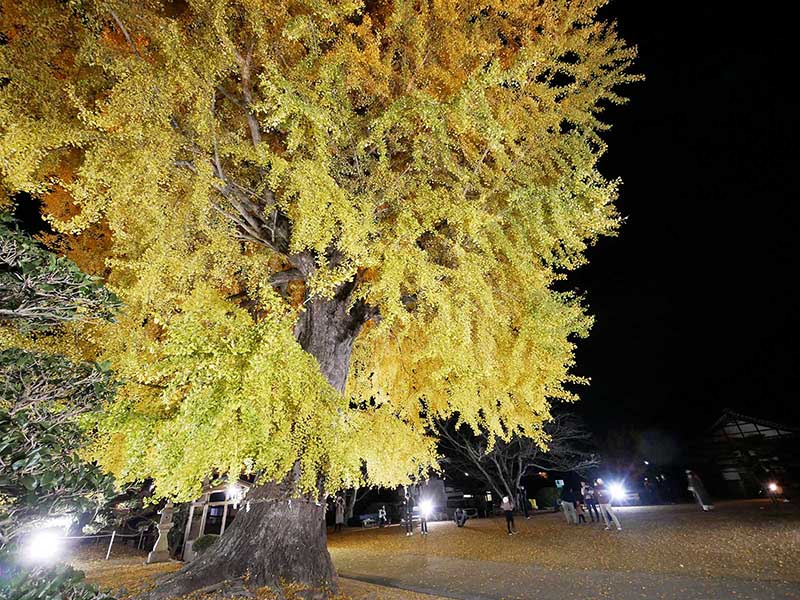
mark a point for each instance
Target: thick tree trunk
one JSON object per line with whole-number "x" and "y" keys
{"x": 282, "y": 537}
{"x": 274, "y": 538}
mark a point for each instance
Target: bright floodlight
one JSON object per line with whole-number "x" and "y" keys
{"x": 617, "y": 491}
{"x": 426, "y": 507}
{"x": 233, "y": 492}
{"x": 773, "y": 487}
{"x": 43, "y": 546}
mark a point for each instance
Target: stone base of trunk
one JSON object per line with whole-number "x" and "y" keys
{"x": 274, "y": 541}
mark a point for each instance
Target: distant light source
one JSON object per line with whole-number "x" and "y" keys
{"x": 467, "y": 495}
{"x": 465, "y": 473}
{"x": 426, "y": 507}
{"x": 234, "y": 493}
{"x": 773, "y": 487}
{"x": 43, "y": 546}
{"x": 646, "y": 462}
{"x": 617, "y": 491}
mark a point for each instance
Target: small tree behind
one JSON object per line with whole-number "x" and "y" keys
{"x": 503, "y": 465}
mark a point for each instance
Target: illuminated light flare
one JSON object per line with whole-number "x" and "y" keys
{"x": 617, "y": 491}
{"x": 43, "y": 546}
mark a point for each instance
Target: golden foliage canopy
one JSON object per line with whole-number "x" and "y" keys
{"x": 232, "y": 161}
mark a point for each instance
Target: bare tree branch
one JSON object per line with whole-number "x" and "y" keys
{"x": 508, "y": 462}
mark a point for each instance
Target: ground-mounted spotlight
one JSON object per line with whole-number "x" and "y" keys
{"x": 43, "y": 546}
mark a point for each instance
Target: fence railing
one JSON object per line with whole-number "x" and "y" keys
{"x": 113, "y": 535}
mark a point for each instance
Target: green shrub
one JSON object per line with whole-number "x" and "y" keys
{"x": 203, "y": 543}
{"x": 52, "y": 583}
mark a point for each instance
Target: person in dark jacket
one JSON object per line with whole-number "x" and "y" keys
{"x": 568, "y": 504}
{"x": 590, "y": 501}
{"x": 523, "y": 501}
{"x": 408, "y": 512}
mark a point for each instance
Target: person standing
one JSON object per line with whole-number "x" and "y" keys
{"x": 603, "y": 497}
{"x": 699, "y": 490}
{"x": 408, "y": 512}
{"x": 591, "y": 501}
{"x": 382, "y": 516}
{"x": 568, "y": 505}
{"x": 423, "y": 517}
{"x": 523, "y": 499}
{"x": 339, "y": 504}
{"x": 579, "y": 506}
{"x": 507, "y": 507}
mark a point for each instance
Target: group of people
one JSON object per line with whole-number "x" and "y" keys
{"x": 576, "y": 502}
{"x": 592, "y": 499}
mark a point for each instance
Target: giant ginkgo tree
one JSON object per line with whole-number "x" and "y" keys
{"x": 329, "y": 222}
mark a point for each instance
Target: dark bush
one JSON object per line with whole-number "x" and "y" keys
{"x": 546, "y": 498}
{"x": 204, "y": 542}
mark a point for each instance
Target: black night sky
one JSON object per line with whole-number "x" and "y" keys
{"x": 696, "y": 300}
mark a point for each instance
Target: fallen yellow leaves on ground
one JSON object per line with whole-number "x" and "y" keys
{"x": 127, "y": 572}
{"x": 746, "y": 539}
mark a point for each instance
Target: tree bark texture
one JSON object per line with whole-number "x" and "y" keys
{"x": 278, "y": 538}
{"x": 282, "y": 537}
{"x": 327, "y": 329}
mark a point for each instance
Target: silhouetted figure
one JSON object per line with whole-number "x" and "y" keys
{"x": 699, "y": 490}
{"x": 523, "y": 499}
{"x": 339, "y": 506}
{"x": 568, "y": 505}
{"x": 508, "y": 509}
{"x": 606, "y": 510}
{"x": 591, "y": 501}
{"x": 408, "y": 512}
{"x": 423, "y": 518}
{"x": 382, "y": 516}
